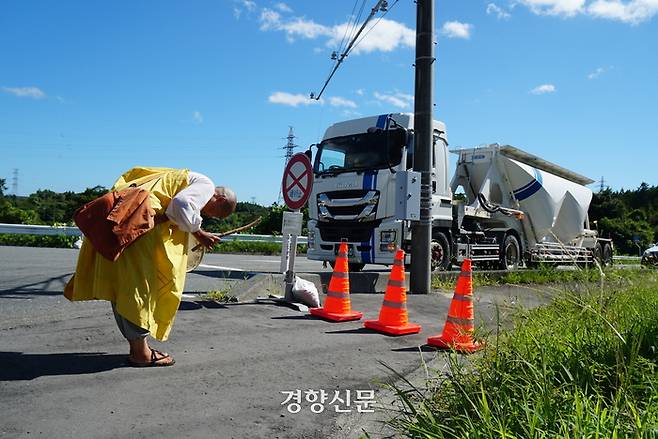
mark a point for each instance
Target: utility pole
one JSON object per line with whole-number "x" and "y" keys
{"x": 419, "y": 282}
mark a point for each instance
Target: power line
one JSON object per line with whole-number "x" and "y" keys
{"x": 382, "y": 5}
{"x": 386, "y": 11}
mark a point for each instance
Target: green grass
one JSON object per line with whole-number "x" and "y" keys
{"x": 583, "y": 366}
{"x": 541, "y": 276}
{"x": 223, "y": 296}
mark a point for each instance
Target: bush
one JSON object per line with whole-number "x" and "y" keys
{"x": 265, "y": 248}
{"x": 56, "y": 241}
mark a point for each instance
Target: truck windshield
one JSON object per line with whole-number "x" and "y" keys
{"x": 360, "y": 151}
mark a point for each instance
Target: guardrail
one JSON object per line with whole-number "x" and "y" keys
{"x": 31, "y": 229}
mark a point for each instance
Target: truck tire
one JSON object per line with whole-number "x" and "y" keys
{"x": 510, "y": 254}
{"x": 353, "y": 267}
{"x": 607, "y": 255}
{"x": 597, "y": 253}
{"x": 440, "y": 252}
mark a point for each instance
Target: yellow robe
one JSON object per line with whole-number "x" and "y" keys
{"x": 146, "y": 282}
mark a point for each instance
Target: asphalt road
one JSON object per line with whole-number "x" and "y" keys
{"x": 63, "y": 372}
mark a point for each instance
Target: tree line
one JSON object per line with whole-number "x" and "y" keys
{"x": 50, "y": 208}
{"x": 629, "y": 217}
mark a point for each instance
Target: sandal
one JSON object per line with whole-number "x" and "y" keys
{"x": 155, "y": 361}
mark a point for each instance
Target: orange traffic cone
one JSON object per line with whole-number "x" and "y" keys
{"x": 393, "y": 317}
{"x": 458, "y": 330}
{"x": 337, "y": 306}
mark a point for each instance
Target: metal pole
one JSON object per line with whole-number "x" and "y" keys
{"x": 419, "y": 282}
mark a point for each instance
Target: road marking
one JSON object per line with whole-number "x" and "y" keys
{"x": 219, "y": 267}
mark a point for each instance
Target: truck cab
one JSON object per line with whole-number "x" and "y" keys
{"x": 357, "y": 169}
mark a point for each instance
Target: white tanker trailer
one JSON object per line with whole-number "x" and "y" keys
{"x": 540, "y": 205}
{"x": 510, "y": 207}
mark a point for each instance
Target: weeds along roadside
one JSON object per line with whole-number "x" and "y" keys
{"x": 583, "y": 366}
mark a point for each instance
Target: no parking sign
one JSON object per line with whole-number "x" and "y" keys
{"x": 297, "y": 181}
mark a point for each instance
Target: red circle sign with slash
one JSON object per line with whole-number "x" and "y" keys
{"x": 297, "y": 181}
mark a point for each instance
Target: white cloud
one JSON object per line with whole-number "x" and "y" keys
{"x": 596, "y": 73}
{"x": 269, "y": 19}
{"x": 337, "y": 101}
{"x": 500, "y": 13}
{"x": 386, "y": 36}
{"x": 238, "y": 6}
{"x": 555, "y": 7}
{"x": 292, "y": 100}
{"x": 456, "y": 29}
{"x": 25, "y": 92}
{"x": 300, "y": 27}
{"x": 543, "y": 89}
{"x": 629, "y": 11}
{"x": 633, "y": 12}
{"x": 197, "y": 117}
{"x": 360, "y": 91}
{"x": 400, "y": 100}
{"x": 283, "y": 7}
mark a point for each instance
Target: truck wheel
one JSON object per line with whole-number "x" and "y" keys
{"x": 353, "y": 267}
{"x": 510, "y": 256}
{"x": 607, "y": 255}
{"x": 440, "y": 252}
{"x": 597, "y": 253}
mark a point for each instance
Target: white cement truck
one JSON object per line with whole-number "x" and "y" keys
{"x": 503, "y": 208}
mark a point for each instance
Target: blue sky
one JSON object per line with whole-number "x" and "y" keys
{"x": 90, "y": 89}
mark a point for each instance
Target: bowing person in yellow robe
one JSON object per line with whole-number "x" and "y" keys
{"x": 145, "y": 283}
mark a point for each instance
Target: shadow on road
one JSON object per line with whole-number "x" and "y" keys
{"x": 302, "y": 317}
{"x": 355, "y": 331}
{"x": 227, "y": 274}
{"x": 19, "y": 366}
{"x": 415, "y": 349}
{"x": 49, "y": 287}
{"x": 188, "y": 305}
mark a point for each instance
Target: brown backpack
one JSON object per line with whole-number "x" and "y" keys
{"x": 115, "y": 220}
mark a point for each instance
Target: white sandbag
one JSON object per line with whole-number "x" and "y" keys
{"x": 305, "y": 292}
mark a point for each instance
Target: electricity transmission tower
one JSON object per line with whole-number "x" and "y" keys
{"x": 14, "y": 182}
{"x": 602, "y": 185}
{"x": 290, "y": 146}
{"x": 290, "y": 150}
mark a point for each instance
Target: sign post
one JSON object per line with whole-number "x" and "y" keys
{"x": 296, "y": 187}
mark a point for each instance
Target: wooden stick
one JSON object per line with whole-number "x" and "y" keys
{"x": 230, "y": 232}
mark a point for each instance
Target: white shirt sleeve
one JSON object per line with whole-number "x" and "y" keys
{"x": 185, "y": 208}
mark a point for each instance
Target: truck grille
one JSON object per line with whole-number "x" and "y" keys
{"x": 352, "y": 231}
{"x": 355, "y": 205}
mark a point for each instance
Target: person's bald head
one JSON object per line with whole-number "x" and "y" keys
{"x": 222, "y": 203}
